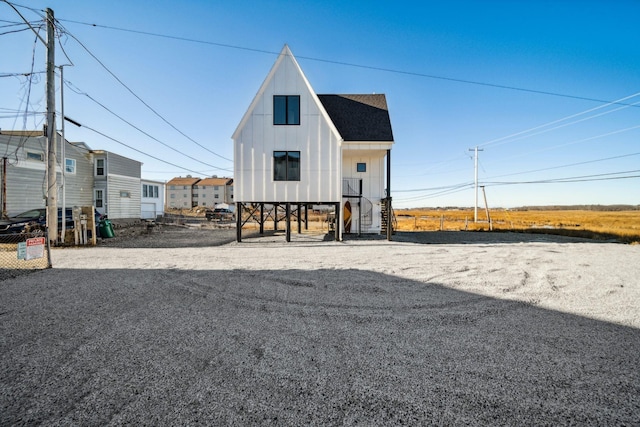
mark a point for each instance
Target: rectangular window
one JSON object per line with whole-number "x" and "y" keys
{"x": 99, "y": 199}
{"x": 145, "y": 190}
{"x": 286, "y": 166}
{"x": 125, "y": 194}
{"x": 155, "y": 191}
{"x": 99, "y": 167}
{"x": 35, "y": 156}
{"x": 70, "y": 166}
{"x": 286, "y": 109}
{"x": 173, "y": 196}
{"x": 361, "y": 167}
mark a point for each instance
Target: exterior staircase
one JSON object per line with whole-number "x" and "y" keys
{"x": 385, "y": 218}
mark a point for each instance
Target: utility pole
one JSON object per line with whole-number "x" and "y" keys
{"x": 486, "y": 208}
{"x": 52, "y": 187}
{"x": 64, "y": 162}
{"x": 475, "y": 212}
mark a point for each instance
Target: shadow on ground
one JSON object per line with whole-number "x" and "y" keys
{"x": 176, "y": 347}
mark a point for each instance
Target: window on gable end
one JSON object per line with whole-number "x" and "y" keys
{"x": 286, "y": 109}
{"x": 286, "y": 166}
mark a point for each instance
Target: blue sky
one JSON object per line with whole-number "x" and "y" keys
{"x": 529, "y": 82}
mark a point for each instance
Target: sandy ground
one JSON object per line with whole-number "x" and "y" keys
{"x": 187, "y": 326}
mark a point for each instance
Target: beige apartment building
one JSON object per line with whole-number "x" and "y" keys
{"x": 190, "y": 192}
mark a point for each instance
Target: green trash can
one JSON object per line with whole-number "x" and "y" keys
{"x": 106, "y": 228}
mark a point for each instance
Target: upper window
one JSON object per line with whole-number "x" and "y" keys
{"x": 286, "y": 166}
{"x": 286, "y": 109}
{"x": 361, "y": 167}
{"x": 100, "y": 167}
{"x": 70, "y": 166}
{"x": 35, "y": 156}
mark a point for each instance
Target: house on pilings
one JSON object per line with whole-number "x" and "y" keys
{"x": 294, "y": 149}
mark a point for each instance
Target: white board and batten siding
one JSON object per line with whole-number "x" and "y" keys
{"x": 373, "y": 180}
{"x": 315, "y": 137}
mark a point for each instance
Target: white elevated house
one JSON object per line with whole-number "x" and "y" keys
{"x": 295, "y": 149}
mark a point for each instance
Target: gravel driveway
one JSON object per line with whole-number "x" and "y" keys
{"x": 432, "y": 328}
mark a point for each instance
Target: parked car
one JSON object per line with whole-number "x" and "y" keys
{"x": 219, "y": 214}
{"x": 35, "y": 221}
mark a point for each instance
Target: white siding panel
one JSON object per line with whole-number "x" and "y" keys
{"x": 314, "y": 138}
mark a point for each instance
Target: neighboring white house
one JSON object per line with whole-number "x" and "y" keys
{"x": 296, "y": 148}
{"x": 152, "y": 200}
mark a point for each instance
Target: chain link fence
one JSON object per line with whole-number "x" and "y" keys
{"x": 24, "y": 251}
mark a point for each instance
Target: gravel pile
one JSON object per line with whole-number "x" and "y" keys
{"x": 361, "y": 332}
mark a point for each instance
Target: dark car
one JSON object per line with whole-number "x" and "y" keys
{"x": 32, "y": 221}
{"x": 35, "y": 221}
{"x": 219, "y": 214}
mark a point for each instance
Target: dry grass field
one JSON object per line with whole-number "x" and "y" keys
{"x": 619, "y": 225}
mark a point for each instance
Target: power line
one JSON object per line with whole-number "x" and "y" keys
{"x": 495, "y": 141}
{"x": 349, "y": 64}
{"x": 141, "y": 100}
{"x": 567, "y": 165}
{"x": 139, "y": 151}
{"x": 583, "y": 178}
{"x": 79, "y": 92}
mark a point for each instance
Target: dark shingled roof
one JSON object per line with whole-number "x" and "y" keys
{"x": 359, "y": 117}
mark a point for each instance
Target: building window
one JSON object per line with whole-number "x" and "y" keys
{"x": 173, "y": 196}
{"x": 70, "y": 166}
{"x": 99, "y": 198}
{"x": 361, "y": 167}
{"x": 145, "y": 190}
{"x": 215, "y": 196}
{"x": 125, "y": 194}
{"x": 99, "y": 167}
{"x": 35, "y": 156}
{"x": 286, "y": 109}
{"x": 155, "y": 191}
{"x": 172, "y": 187}
{"x": 286, "y": 166}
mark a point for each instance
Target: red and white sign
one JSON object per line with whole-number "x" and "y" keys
{"x": 35, "y": 248}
